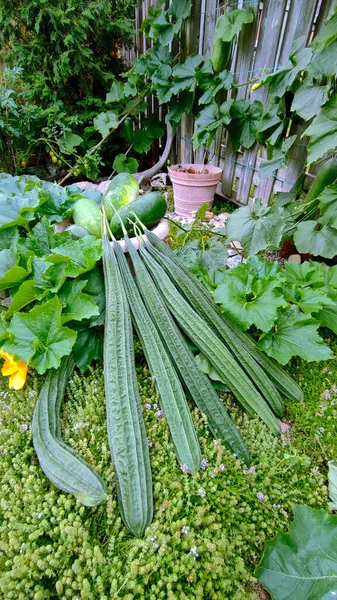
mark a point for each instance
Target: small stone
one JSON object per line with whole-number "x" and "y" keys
{"x": 294, "y": 258}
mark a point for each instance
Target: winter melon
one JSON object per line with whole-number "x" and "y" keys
{"x": 123, "y": 189}
{"x": 87, "y": 214}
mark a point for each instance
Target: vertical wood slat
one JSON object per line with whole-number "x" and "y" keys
{"x": 242, "y": 67}
{"x": 191, "y": 46}
{"x": 271, "y": 26}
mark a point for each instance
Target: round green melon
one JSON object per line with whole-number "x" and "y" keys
{"x": 87, "y": 214}
{"x": 123, "y": 189}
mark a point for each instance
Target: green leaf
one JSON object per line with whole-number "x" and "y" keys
{"x": 214, "y": 84}
{"x": 328, "y": 317}
{"x": 204, "y": 259}
{"x": 69, "y": 141}
{"x": 307, "y": 299}
{"x": 17, "y": 209}
{"x": 318, "y": 242}
{"x": 256, "y": 227}
{"x": 162, "y": 84}
{"x": 179, "y": 107}
{"x": 324, "y": 62}
{"x": 77, "y": 306}
{"x": 106, "y": 121}
{"x": 120, "y": 91}
{"x": 123, "y": 164}
{"x": 327, "y": 34}
{"x": 206, "y": 367}
{"x": 308, "y": 98}
{"x": 154, "y": 127}
{"x": 10, "y": 273}
{"x": 228, "y": 25}
{"x": 246, "y": 116}
{"x": 38, "y": 338}
{"x": 95, "y": 287}
{"x": 302, "y": 564}
{"x": 206, "y": 123}
{"x": 332, "y": 476}
{"x": 185, "y": 74}
{"x": 280, "y": 156}
{"x": 88, "y": 165}
{"x": 307, "y": 273}
{"x": 249, "y": 294}
{"x": 295, "y": 334}
{"x": 88, "y": 345}
{"x": 79, "y": 256}
{"x": 323, "y": 131}
{"x": 142, "y": 142}
{"x": 27, "y": 293}
{"x": 169, "y": 23}
{"x": 9, "y": 238}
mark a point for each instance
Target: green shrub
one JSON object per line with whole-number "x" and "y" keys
{"x": 209, "y": 528}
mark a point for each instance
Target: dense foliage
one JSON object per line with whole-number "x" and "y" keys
{"x": 209, "y": 529}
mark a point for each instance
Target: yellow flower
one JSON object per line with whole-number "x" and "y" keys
{"x": 256, "y": 86}
{"x": 15, "y": 370}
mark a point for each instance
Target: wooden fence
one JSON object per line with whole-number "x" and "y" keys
{"x": 262, "y": 46}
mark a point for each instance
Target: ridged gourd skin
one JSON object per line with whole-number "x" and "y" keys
{"x": 62, "y": 465}
{"x": 194, "y": 380}
{"x": 204, "y": 337}
{"x": 125, "y": 423}
{"x": 149, "y": 209}
{"x": 123, "y": 189}
{"x": 172, "y": 396}
{"x": 228, "y": 331}
{"x": 87, "y": 214}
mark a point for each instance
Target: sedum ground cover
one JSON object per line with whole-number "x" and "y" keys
{"x": 209, "y": 529}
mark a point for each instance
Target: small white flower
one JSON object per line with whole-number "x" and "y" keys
{"x": 24, "y": 427}
{"x": 185, "y": 530}
{"x": 202, "y": 492}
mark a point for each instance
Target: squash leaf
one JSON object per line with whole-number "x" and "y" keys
{"x": 256, "y": 227}
{"x": 228, "y": 25}
{"x": 302, "y": 564}
{"x": 246, "y": 117}
{"x": 249, "y": 294}
{"x": 294, "y": 334}
{"x": 77, "y": 306}
{"x": 123, "y": 164}
{"x": 37, "y": 337}
{"x": 323, "y": 131}
{"x": 318, "y": 242}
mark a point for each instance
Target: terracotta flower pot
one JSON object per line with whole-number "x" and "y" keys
{"x": 192, "y": 188}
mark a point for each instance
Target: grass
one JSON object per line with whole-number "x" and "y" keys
{"x": 52, "y": 547}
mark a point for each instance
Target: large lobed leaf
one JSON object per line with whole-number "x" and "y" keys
{"x": 302, "y": 564}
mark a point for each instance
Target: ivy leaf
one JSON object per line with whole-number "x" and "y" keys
{"x": 142, "y": 141}
{"x": 106, "y": 121}
{"x": 77, "y": 306}
{"x": 295, "y": 334}
{"x": 303, "y": 562}
{"x": 184, "y": 74}
{"x": 69, "y": 141}
{"x": 123, "y": 164}
{"x": 319, "y": 242}
{"x": 323, "y": 131}
{"x": 248, "y": 297}
{"x": 228, "y": 25}
{"x": 308, "y": 98}
{"x": 11, "y": 274}
{"x": 38, "y": 338}
{"x": 256, "y": 227}
{"x": 246, "y": 116}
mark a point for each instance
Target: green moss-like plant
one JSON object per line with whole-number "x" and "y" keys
{"x": 209, "y": 528}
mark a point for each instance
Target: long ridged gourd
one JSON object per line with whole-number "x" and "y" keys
{"x": 194, "y": 380}
{"x": 204, "y": 337}
{"x": 125, "y": 423}
{"x": 62, "y": 465}
{"x": 231, "y": 334}
{"x": 172, "y": 395}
